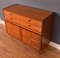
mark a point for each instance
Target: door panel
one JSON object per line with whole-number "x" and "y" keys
{"x": 26, "y": 36}
{"x": 13, "y": 30}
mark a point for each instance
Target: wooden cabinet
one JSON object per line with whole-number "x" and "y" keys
{"x": 30, "y": 25}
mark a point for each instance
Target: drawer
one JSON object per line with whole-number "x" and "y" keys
{"x": 35, "y": 28}
{"x": 36, "y": 23}
{"x": 32, "y": 27}
{"x": 7, "y": 13}
{"x": 11, "y": 19}
{"x": 35, "y": 37}
{"x": 21, "y": 23}
{"x": 35, "y": 44}
{"x": 8, "y": 18}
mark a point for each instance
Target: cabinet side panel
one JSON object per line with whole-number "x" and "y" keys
{"x": 47, "y": 30}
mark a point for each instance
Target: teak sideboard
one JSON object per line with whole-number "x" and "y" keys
{"x": 30, "y": 25}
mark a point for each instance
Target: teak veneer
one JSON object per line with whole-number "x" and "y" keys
{"x": 30, "y": 25}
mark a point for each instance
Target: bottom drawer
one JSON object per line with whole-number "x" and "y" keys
{"x": 35, "y": 45}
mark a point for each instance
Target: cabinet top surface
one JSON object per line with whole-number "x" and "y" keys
{"x": 29, "y": 12}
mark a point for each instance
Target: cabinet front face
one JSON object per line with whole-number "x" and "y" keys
{"x": 13, "y": 30}
{"x": 26, "y": 36}
{"x": 35, "y": 41}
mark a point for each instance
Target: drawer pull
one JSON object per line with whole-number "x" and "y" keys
{"x": 29, "y": 20}
{"x": 29, "y": 25}
{"x": 10, "y": 14}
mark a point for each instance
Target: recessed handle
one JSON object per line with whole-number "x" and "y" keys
{"x": 29, "y": 25}
{"x": 10, "y": 13}
{"x": 29, "y": 20}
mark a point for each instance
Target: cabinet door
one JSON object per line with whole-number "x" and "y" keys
{"x": 26, "y": 36}
{"x": 13, "y": 30}
{"x": 35, "y": 41}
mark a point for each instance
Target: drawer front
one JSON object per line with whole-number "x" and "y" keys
{"x": 35, "y": 45}
{"x": 8, "y": 18}
{"x": 7, "y": 13}
{"x": 35, "y": 28}
{"x": 35, "y": 37}
{"x": 36, "y": 23}
{"x": 26, "y": 25}
{"x": 32, "y": 27}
